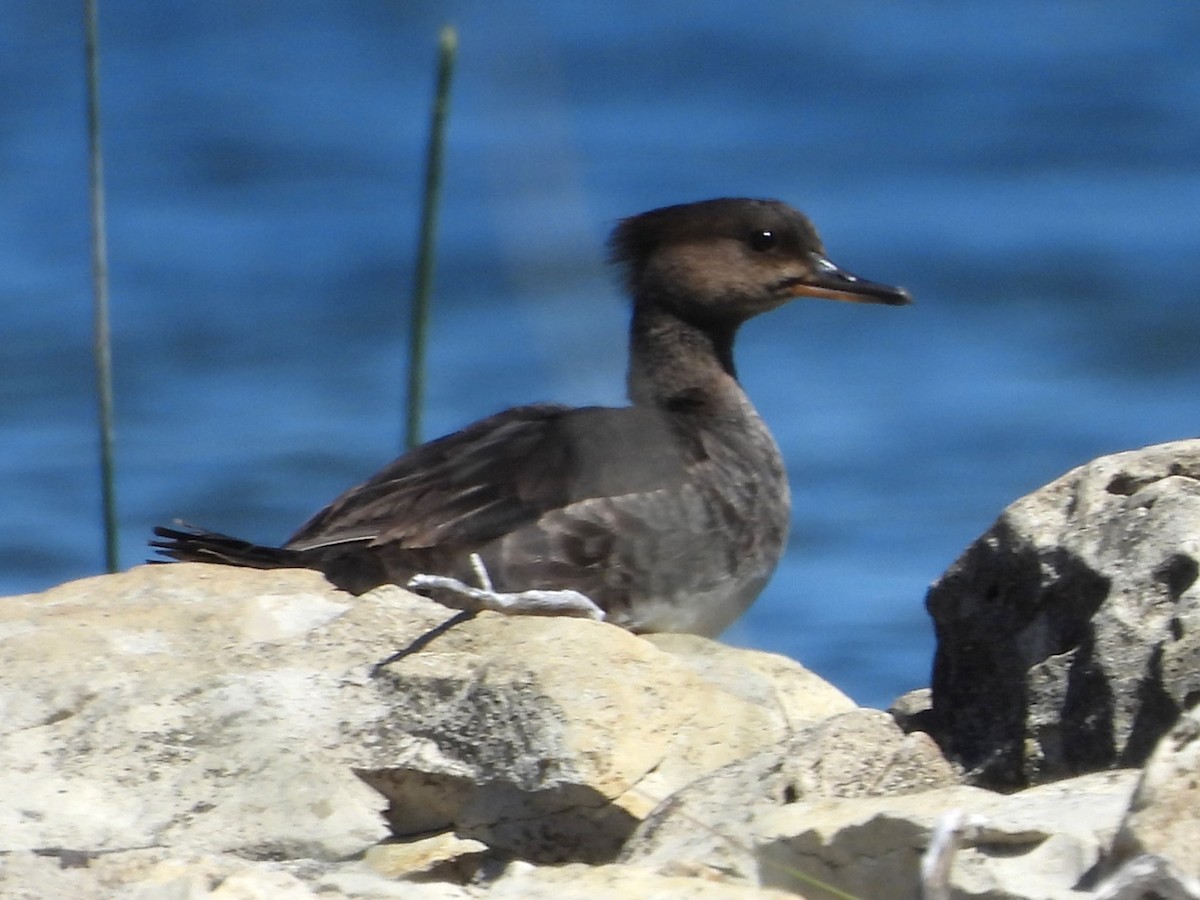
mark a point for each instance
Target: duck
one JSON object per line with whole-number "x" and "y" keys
{"x": 669, "y": 514}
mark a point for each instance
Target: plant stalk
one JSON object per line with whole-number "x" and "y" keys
{"x": 423, "y": 283}
{"x": 102, "y": 336}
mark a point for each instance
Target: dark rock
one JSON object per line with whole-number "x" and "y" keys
{"x": 1069, "y": 633}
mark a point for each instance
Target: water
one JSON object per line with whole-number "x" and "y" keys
{"x": 1030, "y": 172}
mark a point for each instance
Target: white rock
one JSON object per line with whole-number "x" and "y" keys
{"x": 612, "y": 882}
{"x": 156, "y": 708}
{"x": 208, "y": 709}
{"x": 711, "y": 822}
{"x": 553, "y": 737}
{"x": 1033, "y": 845}
{"x": 1164, "y": 815}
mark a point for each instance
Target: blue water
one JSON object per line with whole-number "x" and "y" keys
{"x": 1030, "y": 171}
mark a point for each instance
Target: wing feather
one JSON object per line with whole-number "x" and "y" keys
{"x": 502, "y": 473}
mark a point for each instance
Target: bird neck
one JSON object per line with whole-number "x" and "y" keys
{"x": 672, "y": 361}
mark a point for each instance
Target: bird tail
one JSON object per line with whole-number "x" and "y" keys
{"x": 190, "y": 544}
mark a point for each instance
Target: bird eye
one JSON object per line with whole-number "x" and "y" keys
{"x": 762, "y": 241}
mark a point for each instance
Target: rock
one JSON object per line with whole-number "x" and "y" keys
{"x": 199, "y": 707}
{"x": 1163, "y": 819}
{"x": 1038, "y": 843}
{"x": 212, "y": 733}
{"x": 913, "y": 711}
{"x": 1069, "y": 634}
{"x": 162, "y": 874}
{"x": 613, "y": 882}
{"x": 158, "y": 874}
{"x": 220, "y": 715}
{"x": 862, "y": 753}
{"x": 764, "y": 679}
{"x": 1148, "y": 877}
{"x": 551, "y": 738}
{"x": 442, "y": 857}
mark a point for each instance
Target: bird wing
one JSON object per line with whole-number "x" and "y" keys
{"x": 503, "y": 472}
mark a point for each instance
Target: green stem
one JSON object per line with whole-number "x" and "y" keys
{"x": 419, "y": 323}
{"x": 102, "y": 336}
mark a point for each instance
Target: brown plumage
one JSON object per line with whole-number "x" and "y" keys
{"x": 670, "y": 514}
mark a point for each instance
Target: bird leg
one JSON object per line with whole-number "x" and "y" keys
{"x": 453, "y": 593}
{"x": 481, "y": 572}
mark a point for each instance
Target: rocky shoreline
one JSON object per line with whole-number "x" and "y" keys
{"x": 198, "y": 731}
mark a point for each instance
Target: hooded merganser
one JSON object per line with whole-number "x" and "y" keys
{"x": 666, "y": 515}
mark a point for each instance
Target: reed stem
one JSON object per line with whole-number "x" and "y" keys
{"x": 102, "y": 337}
{"x": 419, "y": 322}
